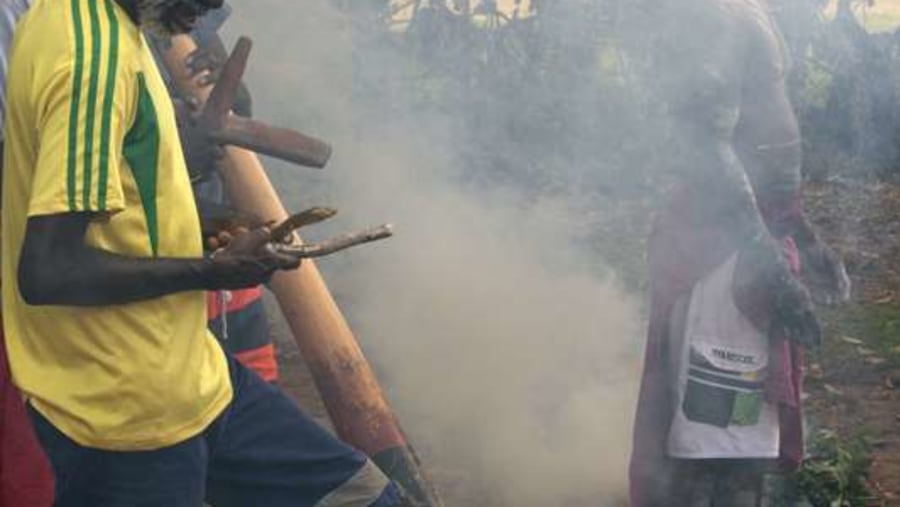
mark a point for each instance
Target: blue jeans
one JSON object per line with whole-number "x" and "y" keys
{"x": 262, "y": 451}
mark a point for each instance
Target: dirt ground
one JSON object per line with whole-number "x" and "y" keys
{"x": 854, "y": 382}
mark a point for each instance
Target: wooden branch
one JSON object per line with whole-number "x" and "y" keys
{"x": 281, "y": 143}
{"x": 335, "y": 244}
{"x": 221, "y": 99}
{"x": 225, "y": 128}
{"x": 284, "y": 231}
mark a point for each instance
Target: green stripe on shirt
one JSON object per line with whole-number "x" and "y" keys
{"x": 109, "y": 94}
{"x": 90, "y": 119}
{"x": 72, "y": 162}
{"x": 142, "y": 153}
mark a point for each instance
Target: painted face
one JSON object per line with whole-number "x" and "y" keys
{"x": 165, "y": 18}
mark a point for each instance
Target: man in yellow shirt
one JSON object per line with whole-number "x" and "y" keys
{"x": 105, "y": 314}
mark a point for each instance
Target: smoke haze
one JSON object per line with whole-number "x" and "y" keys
{"x": 510, "y": 357}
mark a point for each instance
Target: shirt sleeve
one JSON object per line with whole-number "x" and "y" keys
{"x": 82, "y": 103}
{"x": 10, "y": 12}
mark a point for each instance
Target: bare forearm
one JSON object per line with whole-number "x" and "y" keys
{"x": 719, "y": 176}
{"x": 735, "y": 195}
{"x": 94, "y": 277}
{"x": 57, "y": 267}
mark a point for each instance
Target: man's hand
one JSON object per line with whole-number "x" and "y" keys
{"x": 771, "y": 297}
{"x": 824, "y": 274}
{"x": 247, "y": 260}
{"x": 220, "y": 222}
{"x": 794, "y": 315}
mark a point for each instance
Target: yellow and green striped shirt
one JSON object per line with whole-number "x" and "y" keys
{"x": 90, "y": 128}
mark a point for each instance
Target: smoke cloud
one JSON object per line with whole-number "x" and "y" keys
{"x": 511, "y": 358}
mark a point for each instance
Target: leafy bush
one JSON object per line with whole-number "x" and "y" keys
{"x": 836, "y": 473}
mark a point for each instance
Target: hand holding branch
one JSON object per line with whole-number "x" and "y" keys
{"x": 248, "y": 257}
{"x": 283, "y": 235}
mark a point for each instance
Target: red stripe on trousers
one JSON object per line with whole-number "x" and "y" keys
{"x": 240, "y": 299}
{"x": 262, "y": 361}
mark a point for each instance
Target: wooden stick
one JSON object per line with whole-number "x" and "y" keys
{"x": 352, "y": 395}
{"x": 285, "y": 144}
{"x": 284, "y": 232}
{"x": 335, "y": 244}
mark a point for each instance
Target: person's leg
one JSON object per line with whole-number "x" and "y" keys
{"x": 739, "y": 482}
{"x": 692, "y": 484}
{"x": 170, "y": 477}
{"x": 265, "y": 451}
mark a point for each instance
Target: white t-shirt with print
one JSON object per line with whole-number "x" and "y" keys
{"x": 723, "y": 353}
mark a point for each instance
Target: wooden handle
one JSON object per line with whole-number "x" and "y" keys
{"x": 284, "y": 144}
{"x": 351, "y": 393}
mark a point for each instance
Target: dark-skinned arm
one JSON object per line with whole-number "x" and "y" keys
{"x": 706, "y": 126}
{"x": 772, "y": 142}
{"x": 57, "y": 267}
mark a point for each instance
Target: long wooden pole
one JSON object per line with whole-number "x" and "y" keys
{"x": 351, "y": 393}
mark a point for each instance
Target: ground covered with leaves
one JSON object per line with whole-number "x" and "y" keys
{"x": 854, "y": 381}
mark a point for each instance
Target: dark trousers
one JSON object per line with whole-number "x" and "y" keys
{"x": 719, "y": 482}
{"x": 262, "y": 451}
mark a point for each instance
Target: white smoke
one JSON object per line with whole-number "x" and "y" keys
{"x": 510, "y": 362}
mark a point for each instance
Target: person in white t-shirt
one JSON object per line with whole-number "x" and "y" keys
{"x": 731, "y": 312}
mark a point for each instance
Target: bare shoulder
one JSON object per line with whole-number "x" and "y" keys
{"x": 763, "y": 36}
{"x": 702, "y": 54}
{"x": 754, "y": 42}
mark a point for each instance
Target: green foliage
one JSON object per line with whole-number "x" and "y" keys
{"x": 835, "y": 475}
{"x": 878, "y": 326}
{"x": 844, "y": 86}
{"x": 816, "y": 85}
